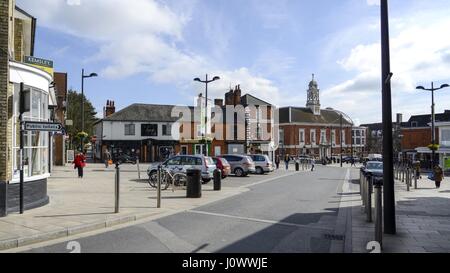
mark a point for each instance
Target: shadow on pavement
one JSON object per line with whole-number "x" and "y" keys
{"x": 285, "y": 237}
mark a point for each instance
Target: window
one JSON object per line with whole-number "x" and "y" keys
{"x": 167, "y": 129}
{"x": 323, "y": 137}
{"x": 313, "y": 136}
{"x": 149, "y": 130}
{"x": 281, "y": 136}
{"x": 174, "y": 161}
{"x": 302, "y": 136}
{"x": 445, "y": 138}
{"x": 343, "y": 137}
{"x": 333, "y": 137}
{"x": 414, "y": 124}
{"x": 36, "y": 144}
{"x": 200, "y": 132}
{"x": 184, "y": 150}
{"x": 129, "y": 129}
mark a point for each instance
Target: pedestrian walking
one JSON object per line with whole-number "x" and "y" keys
{"x": 277, "y": 161}
{"x": 80, "y": 163}
{"x": 352, "y": 160}
{"x": 438, "y": 176}
{"x": 312, "y": 164}
{"x": 286, "y": 161}
{"x": 107, "y": 157}
{"x": 417, "y": 168}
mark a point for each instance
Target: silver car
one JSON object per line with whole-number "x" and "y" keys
{"x": 263, "y": 164}
{"x": 181, "y": 163}
{"x": 241, "y": 165}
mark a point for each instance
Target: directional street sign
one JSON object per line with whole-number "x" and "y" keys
{"x": 43, "y": 126}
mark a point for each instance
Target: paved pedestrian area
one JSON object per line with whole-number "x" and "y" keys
{"x": 422, "y": 217}
{"x": 83, "y": 205}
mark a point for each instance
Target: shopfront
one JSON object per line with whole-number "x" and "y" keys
{"x": 37, "y": 145}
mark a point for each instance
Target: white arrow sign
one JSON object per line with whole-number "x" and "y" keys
{"x": 43, "y": 126}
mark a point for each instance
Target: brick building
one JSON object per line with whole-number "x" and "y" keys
{"x": 17, "y": 32}
{"x": 59, "y": 147}
{"x": 317, "y": 132}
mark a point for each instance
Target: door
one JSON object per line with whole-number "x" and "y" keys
{"x": 217, "y": 150}
{"x": 199, "y": 149}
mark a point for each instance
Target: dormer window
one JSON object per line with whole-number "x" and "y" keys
{"x": 414, "y": 124}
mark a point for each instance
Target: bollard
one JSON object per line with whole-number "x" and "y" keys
{"x": 217, "y": 180}
{"x": 139, "y": 169}
{"x": 378, "y": 183}
{"x": 415, "y": 181}
{"x": 158, "y": 188}
{"x": 117, "y": 188}
{"x": 194, "y": 185}
{"x": 297, "y": 166}
{"x": 369, "y": 199}
{"x": 403, "y": 174}
{"x": 408, "y": 176}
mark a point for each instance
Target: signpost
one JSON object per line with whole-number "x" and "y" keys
{"x": 30, "y": 126}
{"x": 43, "y": 126}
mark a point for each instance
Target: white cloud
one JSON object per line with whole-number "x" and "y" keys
{"x": 373, "y": 2}
{"x": 73, "y": 2}
{"x": 420, "y": 53}
{"x": 145, "y": 37}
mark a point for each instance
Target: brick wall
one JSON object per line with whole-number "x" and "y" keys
{"x": 420, "y": 137}
{"x": 5, "y": 90}
{"x": 19, "y": 50}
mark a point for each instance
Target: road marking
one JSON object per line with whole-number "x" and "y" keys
{"x": 268, "y": 180}
{"x": 170, "y": 239}
{"x": 260, "y": 220}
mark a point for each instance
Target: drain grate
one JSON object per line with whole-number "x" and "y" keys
{"x": 334, "y": 237}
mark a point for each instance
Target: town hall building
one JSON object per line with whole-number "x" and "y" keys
{"x": 318, "y": 132}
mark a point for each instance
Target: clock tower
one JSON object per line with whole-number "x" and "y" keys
{"x": 313, "y": 101}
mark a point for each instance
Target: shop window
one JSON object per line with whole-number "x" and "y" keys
{"x": 149, "y": 130}
{"x": 36, "y": 155}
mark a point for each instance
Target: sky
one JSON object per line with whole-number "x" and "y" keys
{"x": 149, "y": 51}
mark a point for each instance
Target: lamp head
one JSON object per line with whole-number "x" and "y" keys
{"x": 196, "y": 79}
{"x": 216, "y": 78}
{"x": 420, "y": 88}
{"x": 444, "y": 86}
{"x": 93, "y": 75}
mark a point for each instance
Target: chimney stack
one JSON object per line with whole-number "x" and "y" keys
{"x": 229, "y": 97}
{"x": 109, "y": 109}
{"x": 237, "y": 95}
{"x": 218, "y": 102}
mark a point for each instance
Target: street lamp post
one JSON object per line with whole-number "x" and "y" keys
{"x": 206, "y": 105}
{"x": 340, "y": 138}
{"x": 388, "y": 167}
{"x": 82, "y": 101}
{"x": 433, "y": 117}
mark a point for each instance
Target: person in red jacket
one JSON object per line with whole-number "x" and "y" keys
{"x": 80, "y": 163}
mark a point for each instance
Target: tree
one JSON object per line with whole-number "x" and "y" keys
{"x": 74, "y": 100}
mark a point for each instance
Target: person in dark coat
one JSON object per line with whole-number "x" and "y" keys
{"x": 438, "y": 176}
{"x": 286, "y": 161}
{"x": 277, "y": 161}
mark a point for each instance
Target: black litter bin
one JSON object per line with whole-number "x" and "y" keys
{"x": 194, "y": 184}
{"x": 297, "y": 166}
{"x": 217, "y": 180}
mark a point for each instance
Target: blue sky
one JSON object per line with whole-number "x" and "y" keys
{"x": 149, "y": 51}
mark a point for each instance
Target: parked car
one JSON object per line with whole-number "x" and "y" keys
{"x": 373, "y": 168}
{"x": 181, "y": 163}
{"x": 347, "y": 159}
{"x": 263, "y": 164}
{"x": 223, "y": 165}
{"x": 125, "y": 158}
{"x": 241, "y": 165}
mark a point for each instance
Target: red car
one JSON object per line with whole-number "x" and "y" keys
{"x": 223, "y": 165}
